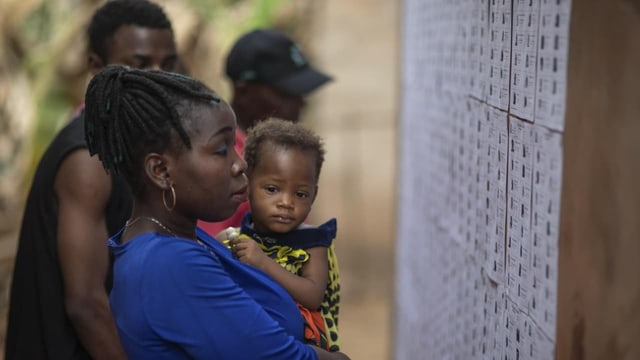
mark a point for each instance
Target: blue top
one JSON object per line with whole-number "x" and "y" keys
{"x": 174, "y": 298}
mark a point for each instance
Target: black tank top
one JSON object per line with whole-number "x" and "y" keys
{"x": 38, "y": 326}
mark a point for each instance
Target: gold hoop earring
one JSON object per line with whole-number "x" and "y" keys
{"x": 173, "y": 196}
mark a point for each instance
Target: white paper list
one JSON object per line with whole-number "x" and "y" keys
{"x": 499, "y": 53}
{"x": 524, "y": 58}
{"x": 483, "y": 85}
{"x": 519, "y": 183}
{"x": 553, "y": 49}
{"x": 547, "y": 180}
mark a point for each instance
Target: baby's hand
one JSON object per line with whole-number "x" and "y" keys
{"x": 227, "y": 235}
{"x": 248, "y": 251}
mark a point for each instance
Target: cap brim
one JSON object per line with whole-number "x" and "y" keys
{"x": 303, "y": 82}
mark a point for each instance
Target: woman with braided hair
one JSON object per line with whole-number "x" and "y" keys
{"x": 178, "y": 293}
{"x": 73, "y": 206}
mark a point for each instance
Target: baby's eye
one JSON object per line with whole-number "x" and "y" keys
{"x": 302, "y": 194}
{"x": 271, "y": 189}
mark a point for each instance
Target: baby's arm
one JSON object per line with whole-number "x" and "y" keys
{"x": 308, "y": 288}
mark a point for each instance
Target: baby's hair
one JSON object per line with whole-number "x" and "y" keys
{"x": 130, "y": 112}
{"x": 282, "y": 134}
{"x": 116, "y": 13}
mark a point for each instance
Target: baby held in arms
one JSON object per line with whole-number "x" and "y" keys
{"x": 284, "y": 160}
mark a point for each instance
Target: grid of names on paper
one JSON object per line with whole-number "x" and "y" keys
{"x": 480, "y": 174}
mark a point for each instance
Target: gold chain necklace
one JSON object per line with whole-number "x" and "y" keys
{"x": 153, "y": 220}
{"x": 166, "y": 228}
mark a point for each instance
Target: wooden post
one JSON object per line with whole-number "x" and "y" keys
{"x": 599, "y": 259}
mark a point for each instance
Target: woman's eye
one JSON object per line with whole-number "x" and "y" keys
{"x": 222, "y": 150}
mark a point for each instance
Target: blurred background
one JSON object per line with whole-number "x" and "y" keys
{"x": 43, "y": 77}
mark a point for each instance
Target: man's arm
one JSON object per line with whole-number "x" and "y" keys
{"x": 83, "y": 189}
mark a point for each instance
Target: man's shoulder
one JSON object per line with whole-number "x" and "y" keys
{"x": 74, "y": 129}
{"x": 69, "y": 138}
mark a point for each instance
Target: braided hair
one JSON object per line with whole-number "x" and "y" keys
{"x": 129, "y": 113}
{"x": 116, "y": 13}
{"x": 279, "y": 133}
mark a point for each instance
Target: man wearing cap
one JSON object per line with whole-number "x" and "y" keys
{"x": 270, "y": 77}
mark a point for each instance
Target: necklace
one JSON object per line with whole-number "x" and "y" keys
{"x": 166, "y": 228}
{"x": 153, "y": 220}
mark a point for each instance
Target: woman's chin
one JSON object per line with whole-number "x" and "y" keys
{"x": 219, "y": 216}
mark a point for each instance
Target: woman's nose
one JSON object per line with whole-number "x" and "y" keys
{"x": 239, "y": 166}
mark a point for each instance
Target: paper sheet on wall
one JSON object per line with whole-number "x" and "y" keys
{"x": 547, "y": 179}
{"x": 553, "y": 50}
{"x": 478, "y": 48}
{"x": 495, "y": 192}
{"x": 523, "y": 58}
{"x": 523, "y": 338}
{"x": 499, "y": 53}
{"x": 519, "y": 183}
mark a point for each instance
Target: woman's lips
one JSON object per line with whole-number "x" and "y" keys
{"x": 240, "y": 195}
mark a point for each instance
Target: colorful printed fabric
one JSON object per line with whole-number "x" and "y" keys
{"x": 289, "y": 250}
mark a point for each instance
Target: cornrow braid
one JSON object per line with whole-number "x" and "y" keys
{"x": 130, "y": 111}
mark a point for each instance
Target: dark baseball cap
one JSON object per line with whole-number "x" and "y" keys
{"x": 271, "y": 57}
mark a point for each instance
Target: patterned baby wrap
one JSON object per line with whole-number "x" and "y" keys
{"x": 289, "y": 250}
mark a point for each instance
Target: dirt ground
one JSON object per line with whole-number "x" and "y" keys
{"x": 365, "y": 327}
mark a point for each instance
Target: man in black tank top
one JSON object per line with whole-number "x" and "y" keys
{"x": 59, "y": 307}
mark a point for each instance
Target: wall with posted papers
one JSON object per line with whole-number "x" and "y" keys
{"x": 481, "y": 137}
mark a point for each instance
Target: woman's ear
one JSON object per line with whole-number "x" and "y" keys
{"x": 156, "y": 169}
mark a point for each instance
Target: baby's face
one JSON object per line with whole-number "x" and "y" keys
{"x": 282, "y": 188}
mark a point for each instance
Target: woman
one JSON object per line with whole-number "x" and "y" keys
{"x": 177, "y": 292}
